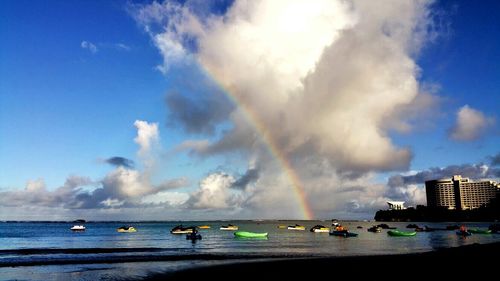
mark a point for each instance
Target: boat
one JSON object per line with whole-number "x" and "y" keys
{"x": 193, "y": 236}
{"x": 385, "y": 226}
{"x": 375, "y": 229}
{"x": 401, "y": 233}
{"x": 282, "y": 226}
{"x": 126, "y": 229}
{"x": 204, "y": 227}
{"x": 247, "y": 234}
{"x": 480, "y": 231}
{"x": 78, "y": 228}
{"x": 182, "y": 230}
{"x": 229, "y": 227}
{"x": 430, "y": 229}
{"x": 320, "y": 229}
{"x": 343, "y": 233}
{"x": 464, "y": 233}
{"x": 296, "y": 227}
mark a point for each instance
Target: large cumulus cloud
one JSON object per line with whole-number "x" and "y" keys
{"x": 325, "y": 81}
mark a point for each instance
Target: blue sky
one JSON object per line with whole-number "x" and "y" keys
{"x": 64, "y": 107}
{"x": 463, "y": 62}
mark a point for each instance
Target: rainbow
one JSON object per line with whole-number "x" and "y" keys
{"x": 272, "y": 147}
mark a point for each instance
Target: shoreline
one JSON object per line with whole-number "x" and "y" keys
{"x": 476, "y": 260}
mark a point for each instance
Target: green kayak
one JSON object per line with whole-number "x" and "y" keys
{"x": 480, "y": 231}
{"x": 401, "y": 233}
{"x": 246, "y": 234}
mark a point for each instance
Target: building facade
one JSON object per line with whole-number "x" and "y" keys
{"x": 460, "y": 193}
{"x": 396, "y": 205}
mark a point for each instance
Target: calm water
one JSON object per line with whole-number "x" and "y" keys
{"x": 81, "y": 251}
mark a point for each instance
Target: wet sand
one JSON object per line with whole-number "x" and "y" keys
{"x": 471, "y": 261}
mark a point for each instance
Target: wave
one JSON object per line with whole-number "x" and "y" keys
{"x": 46, "y": 251}
{"x": 87, "y": 256}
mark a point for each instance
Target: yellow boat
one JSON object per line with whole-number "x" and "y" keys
{"x": 296, "y": 227}
{"x": 229, "y": 227}
{"x": 320, "y": 229}
{"x": 183, "y": 230}
{"x": 281, "y": 226}
{"x": 204, "y": 227}
{"x": 126, "y": 229}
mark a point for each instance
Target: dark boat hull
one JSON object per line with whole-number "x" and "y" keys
{"x": 343, "y": 233}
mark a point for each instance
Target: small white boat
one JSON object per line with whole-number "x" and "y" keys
{"x": 78, "y": 228}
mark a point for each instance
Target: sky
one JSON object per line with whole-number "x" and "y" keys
{"x": 187, "y": 110}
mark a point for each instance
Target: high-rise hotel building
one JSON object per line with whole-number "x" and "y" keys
{"x": 460, "y": 193}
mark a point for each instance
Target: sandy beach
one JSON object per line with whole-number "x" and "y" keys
{"x": 471, "y": 261}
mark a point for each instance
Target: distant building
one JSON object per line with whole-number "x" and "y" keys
{"x": 460, "y": 193}
{"x": 396, "y": 205}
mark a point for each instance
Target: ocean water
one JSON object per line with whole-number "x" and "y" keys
{"x": 43, "y": 251}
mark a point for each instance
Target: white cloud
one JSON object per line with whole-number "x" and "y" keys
{"x": 326, "y": 80}
{"x": 89, "y": 46}
{"x": 169, "y": 197}
{"x": 37, "y": 185}
{"x": 315, "y": 72}
{"x": 126, "y": 182}
{"x": 122, "y": 188}
{"x": 112, "y": 203}
{"x": 147, "y": 136}
{"x": 214, "y": 192}
{"x": 470, "y": 125}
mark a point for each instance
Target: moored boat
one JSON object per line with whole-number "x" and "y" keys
{"x": 343, "y": 233}
{"x": 412, "y": 225}
{"x": 78, "y": 228}
{"x": 385, "y": 226}
{"x": 126, "y": 229}
{"x": 229, "y": 227}
{"x": 479, "y": 231}
{"x": 401, "y": 233}
{"x": 248, "y": 234}
{"x": 182, "y": 230}
{"x": 375, "y": 229}
{"x": 204, "y": 227}
{"x": 320, "y": 229}
{"x": 296, "y": 227}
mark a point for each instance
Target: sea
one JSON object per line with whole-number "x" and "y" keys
{"x": 51, "y": 251}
